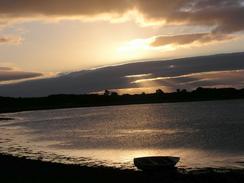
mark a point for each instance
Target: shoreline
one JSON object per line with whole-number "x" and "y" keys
{"x": 20, "y": 169}
{"x": 61, "y": 101}
{"x": 2, "y": 118}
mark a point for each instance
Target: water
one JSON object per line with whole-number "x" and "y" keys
{"x": 203, "y": 134}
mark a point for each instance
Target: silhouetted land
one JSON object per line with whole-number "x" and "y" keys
{"x": 15, "y": 169}
{"x": 8, "y": 104}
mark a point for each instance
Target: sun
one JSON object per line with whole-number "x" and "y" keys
{"x": 134, "y": 48}
{"x": 140, "y": 47}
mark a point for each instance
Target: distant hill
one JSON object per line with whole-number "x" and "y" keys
{"x": 189, "y": 73}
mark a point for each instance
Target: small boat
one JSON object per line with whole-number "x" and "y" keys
{"x": 156, "y": 162}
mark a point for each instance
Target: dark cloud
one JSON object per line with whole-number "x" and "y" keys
{"x": 8, "y": 74}
{"x": 189, "y": 38}
{"x": 25, "y": 8}
{"x": 5, "y": 69}
{"x": 222, "y": 16}
{"x": 226, "y": 15}
{"x": 227, "y": 19}
{"x": 226, "y": 69}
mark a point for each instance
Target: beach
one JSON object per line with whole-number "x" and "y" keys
{"x": 20, "y": 169}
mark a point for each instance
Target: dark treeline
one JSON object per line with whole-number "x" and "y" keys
{"x": 8, "y": 104}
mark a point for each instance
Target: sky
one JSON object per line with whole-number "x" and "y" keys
{"x": 41, "y": 39}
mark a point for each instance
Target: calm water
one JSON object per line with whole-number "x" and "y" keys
{"x": 203, "y": 134}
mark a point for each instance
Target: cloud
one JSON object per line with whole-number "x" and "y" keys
{"x": 61, "y": 8}
{"x": 10, "y": 40}
{"x": 222, "y": 17}
{"x": 189, "y": 39}
{"x": 5, "y": 69}
{"x": 207, "y": 76}
{"x": 225, "y": 15}
{"x": 8, "y": 74}
{"x": 189, "y": 73}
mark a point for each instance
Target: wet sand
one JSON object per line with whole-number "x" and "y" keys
{"x": 16, "y": 169}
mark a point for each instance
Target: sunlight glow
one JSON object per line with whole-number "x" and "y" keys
{"x": 136, "y": 90}
{"x": 141, "y": 47}
{"x": 138, "y": 75}
{"x": 134, "y": 47}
